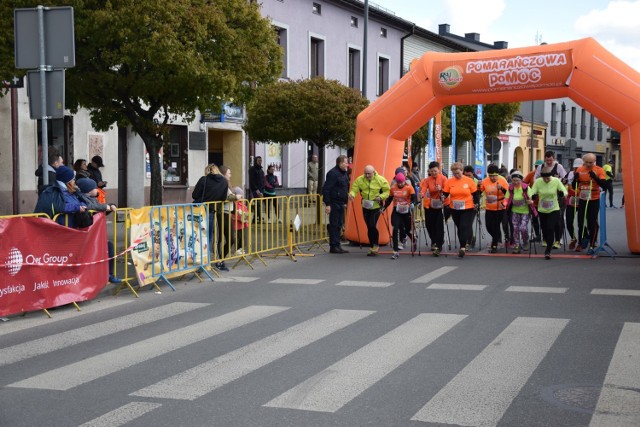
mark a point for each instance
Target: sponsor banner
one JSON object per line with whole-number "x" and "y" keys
{"x": 44, "y": 264}
{"x": 172, "y": 241}
{"x": 453, "y": 134}
{"x": 479, "y": 163}
{"x": 438, "y": 136}
{"x": 431, "y": 142}
{"x": 500, "y": 74}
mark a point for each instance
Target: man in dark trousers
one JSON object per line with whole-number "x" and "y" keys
{"x": 335, "y": 196}
{"x": 256, "y": 185}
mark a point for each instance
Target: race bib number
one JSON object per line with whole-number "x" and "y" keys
{"x": 435, "y": 204}
{"x": 520, "y": 202}
{"x": 492, "y": 199}
{"x": 402, "y": 209}
{"x": 459, "y": 205}
{"x": 367, "y": 204}
{"x": 573, "y": 200}
{"x": 547, "y": 204}
{"x": 585, "y": 194}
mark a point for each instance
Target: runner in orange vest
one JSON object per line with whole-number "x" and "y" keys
{"x": 494, "y": 187}
{"x": 436, "y": 206}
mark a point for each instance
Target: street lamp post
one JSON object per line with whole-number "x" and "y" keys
{"x": 364, "y": 48}
{"x": 532, "y": 142}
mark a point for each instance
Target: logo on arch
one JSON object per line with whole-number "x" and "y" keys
{"x": 450, "y": 77}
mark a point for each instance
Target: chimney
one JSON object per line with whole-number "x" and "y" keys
{"x": 501, "y": 45}
{"x": 472, "y": 36}
{"x": 443, "y": 29}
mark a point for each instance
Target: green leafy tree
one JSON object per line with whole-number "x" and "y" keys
{"x": 143, "y": 64}
{"x": 322, "y": 112}
{"x": 496, "y": 118}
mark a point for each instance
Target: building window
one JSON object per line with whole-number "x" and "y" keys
{"x": 563, "y": 120}
{"x": 60, "y": 136}
{"x": 383, "y": 75}
{"x": 592, "y": 128}
{"x": 383, "y": 32}
{"x": 176, "y": 156}
{"x": 583, "y": 124}
{"x": 281, "y": 34}
{"x": 354, "y": 22}
{"x": 599, "y": 130}
{"x": 574, "y": 125}
{"x": 354, "y": 68}
{"x": 316, "y": 57}
{"x": 317, "y": 8}
{"x": 554, "y": 121}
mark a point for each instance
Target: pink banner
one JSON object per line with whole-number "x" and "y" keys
{"x": 44, "y": 264}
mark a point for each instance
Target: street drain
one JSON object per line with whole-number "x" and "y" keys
{"x": 573, "y": 397}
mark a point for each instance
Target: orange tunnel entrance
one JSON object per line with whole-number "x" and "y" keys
{"x": 581, "y": 70}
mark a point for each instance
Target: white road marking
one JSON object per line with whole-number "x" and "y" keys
{"x": 340, "y": 383}
{"x": 86, "y": 370}
{"x": 456, "y": 287}
{"x": 537, "y": 289}
{"x": 55, "y": 342}
{"x": 297, "y": 281}
{"x": 208, "y": 376}
{"x": 619, "y": 402}
{"x": 433, "y": 275}
{"x": 122, "y": 415}
{"x": 365, "y": 284}
{"x": 617, "y": 292}
{"x": 481, "y": 393}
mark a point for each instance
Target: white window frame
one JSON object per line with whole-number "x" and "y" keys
{"x": 359, "y": 49}
{"x": 286, "y": 54}
{"x": 324, "y": 53}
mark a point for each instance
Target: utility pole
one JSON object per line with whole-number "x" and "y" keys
{"x": 364, "y": 48}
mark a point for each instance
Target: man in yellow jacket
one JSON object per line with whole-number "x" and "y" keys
{"x": 374, "y": 189}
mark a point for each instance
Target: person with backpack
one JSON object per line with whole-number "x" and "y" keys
{"x": 61, "y": 198}
{"x": 517, "y": 201}
{"x": 88, "y": 194}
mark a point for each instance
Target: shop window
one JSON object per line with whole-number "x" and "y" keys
{"x": 175, "y": 156}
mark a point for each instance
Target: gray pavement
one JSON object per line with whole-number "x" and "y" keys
{"x": 344, "y": 340}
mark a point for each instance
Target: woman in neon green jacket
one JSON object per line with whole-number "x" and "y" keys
{"x": 547, "y": 188}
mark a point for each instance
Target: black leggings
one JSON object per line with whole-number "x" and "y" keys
{"x": 371, "y": 217}
{"x": 402, "y": 226}
{"x": 548, "y": 223}
{"x": 493, "y": 220}
{"x": 435, "y": 224}
{"x": 463, "y": 219}
{"x": 587, "y": 233}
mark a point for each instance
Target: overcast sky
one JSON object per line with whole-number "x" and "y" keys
{"x": 614, "y": 24}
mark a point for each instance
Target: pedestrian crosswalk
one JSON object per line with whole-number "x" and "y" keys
{"x": 373, "y": 346}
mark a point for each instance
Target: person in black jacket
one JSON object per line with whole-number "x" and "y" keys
{"x": 213, "y": 187}
{"x": 256, "y": 185}
{"x": 335, "y": 196}
{"x": 94, "y": 171}
{"x": 53, "y": 163}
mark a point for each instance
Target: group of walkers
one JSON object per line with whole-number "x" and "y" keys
{"x": 547, "y": 201}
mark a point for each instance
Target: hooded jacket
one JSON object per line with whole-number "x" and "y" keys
{"x": 211, "y": 188}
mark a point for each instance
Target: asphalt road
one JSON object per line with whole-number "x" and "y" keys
{"x": 344, "y": 340}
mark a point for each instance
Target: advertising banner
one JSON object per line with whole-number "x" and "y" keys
{"x": 479, "y": 163}
{"x": 431, "y": 143}
{"x": 438, "y": 137}
{"x": 500, "y": 74}
{"x": 453, "y": 134}
{"x": 44, "y": 264}
{"x": 172, "y": 240}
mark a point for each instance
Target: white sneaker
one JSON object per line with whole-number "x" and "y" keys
{"x": 240, "y": 251}
{"x": 395, "y": 255}
{"x": 400, "y": 246}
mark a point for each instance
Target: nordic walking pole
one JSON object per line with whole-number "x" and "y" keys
{"x": 353, "y": 209}
{"x": 586, "y": 209}
{"x": 413, "y": 231}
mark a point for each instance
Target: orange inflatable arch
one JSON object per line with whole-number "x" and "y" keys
{"x": 582, "y": 70}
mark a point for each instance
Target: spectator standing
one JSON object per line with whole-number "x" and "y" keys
{"x": 213, "y": 187}
{"x": 80, "y": 167}
{"x": 256, "y": 185}
{"x": 54, "y": 162}
{"x": 335, "y": 195}
{"x": 270, "y": 185}
{"x": 312, "y": 176}
{"x": 87, "y": 194}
